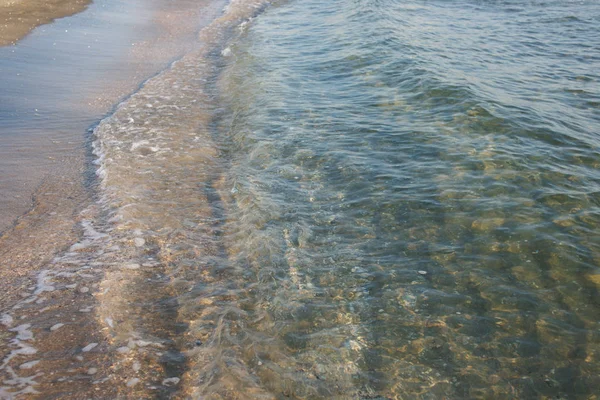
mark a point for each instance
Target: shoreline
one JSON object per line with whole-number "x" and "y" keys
{"x": 62, "y": 84}
{"x": 46, "y": 219}
{"x": 19, "y": 17}
{"x": 96, "y": 286}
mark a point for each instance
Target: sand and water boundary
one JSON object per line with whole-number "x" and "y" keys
{"x": 19, "y": 17}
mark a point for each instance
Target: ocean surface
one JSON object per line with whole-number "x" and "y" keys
{"x": 352, "y": 199}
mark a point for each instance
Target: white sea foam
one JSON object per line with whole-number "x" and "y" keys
{"x": 23, "y": 332}
{"x": 6, "y": 320}
{"x": 29, "y": 365}
{"x": 43, "y": 283}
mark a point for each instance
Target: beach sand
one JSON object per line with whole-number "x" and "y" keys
{"x": 56, "y": 86}
{"x": 66, "y": 76}
{"x": 55, "y": 95}
{"x": 19, "y": 17}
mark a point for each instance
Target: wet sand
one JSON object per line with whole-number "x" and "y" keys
{"x": 19, "y": 17}
{"x": 57, "y": 84}
{"x": 64, "y": 77}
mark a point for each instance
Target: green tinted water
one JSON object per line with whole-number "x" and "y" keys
{"x": 417, "y": 194}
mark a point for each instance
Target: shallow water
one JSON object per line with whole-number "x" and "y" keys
{"x": 381, "y": 199}
{"x": 63, "y": 78}
{"x": 416, "y": 194}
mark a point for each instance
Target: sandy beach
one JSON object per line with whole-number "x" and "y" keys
{"x": 66, "y": 76}
{"x": 58, "y": 83}
{"x": 63, "y": 80}
{"x": 19, "y": 17}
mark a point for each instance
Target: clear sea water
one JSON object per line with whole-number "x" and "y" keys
{"x": 421, "y": 181}
{"x": 361, "y": 199}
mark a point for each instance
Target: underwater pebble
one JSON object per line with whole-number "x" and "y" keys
{"x": 422, "y": 272}
{"x": 123, "y": 349}
{"x": 137, "y": 366}
{"x": 139, "y": 242}
{"x": 132, "y": 382}
{"x": 150, "y": 264}
{"x": 57, "y": 326}
{"x": 594, "y": 278}
{"x": 89, "y": 347}
{"x": 320, "y": 369}
{"x": 84, "y": 289}
{"x": 132, "y": 266}
{"x": 171, "y": 381}
{"x": 92, "y": 371}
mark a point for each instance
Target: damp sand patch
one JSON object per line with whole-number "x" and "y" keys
{"x": 19, "y": 17}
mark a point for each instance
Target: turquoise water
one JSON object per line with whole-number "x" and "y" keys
{"x": 351, "y": 200}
